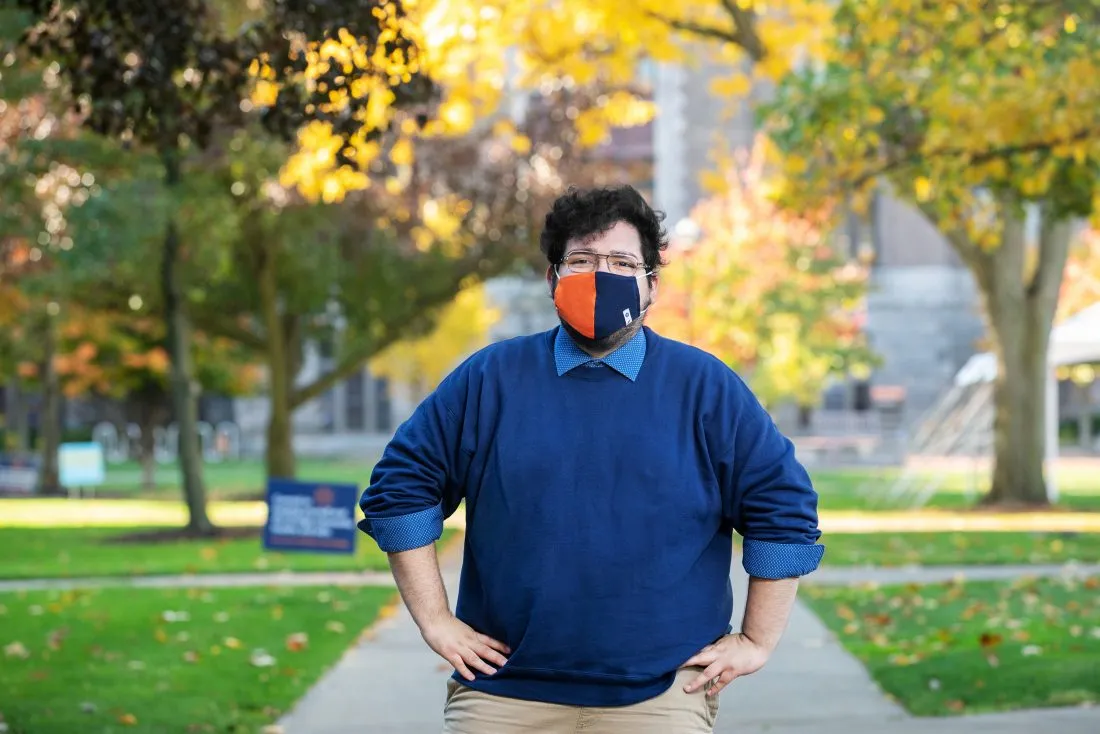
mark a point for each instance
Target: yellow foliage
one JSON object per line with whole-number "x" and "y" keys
{"x": 754, "y": 259}
{"x": 483, "y": 54}
{"x": 422, "y": 363}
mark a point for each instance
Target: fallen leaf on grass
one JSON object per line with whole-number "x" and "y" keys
{"x": 955, "y": 705}
{"x": 1092, "y": 582}
{"x": 297, "y": 641}
{"x": 34, "y": 610}
{"x": 87, "y": 707}
{"x": 993, "y": 660}
{"x": 231, "y": 642}
{"x": 324, "y": 597}
{"x": 1021, "y": 635}
{"x": 272, "y": 729}
{"x": 845, "y": 612}
{"x": 934, "y": 684}
{"x": 3, "y": 610}
{"x": 169, "y": 615}
{"x": 990, "y": 639}
{"x": 277, "y": 611}
{"x": 208, "y": 553}
{"x": 190, "y": 657}
{"x": 16, "y": 650}
{"x": 261, "y": 659}
{"x": 221, "y": 617}
{"x": 1031, "y": 650}
{"x": 335, "y": 626}
{"x": 136, "y": 665}
{"x": 127, "y": 720}
{"x": 160, "y": 635}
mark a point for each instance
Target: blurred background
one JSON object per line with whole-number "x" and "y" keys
{"x": 242, "y": 239}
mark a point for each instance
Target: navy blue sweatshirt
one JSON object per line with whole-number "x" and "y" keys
{"x": 601, "y": 497}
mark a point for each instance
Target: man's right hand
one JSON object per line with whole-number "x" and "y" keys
{"x": 463, "y": 647}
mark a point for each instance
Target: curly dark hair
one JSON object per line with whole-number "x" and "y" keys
{"x": 584, "y": 213}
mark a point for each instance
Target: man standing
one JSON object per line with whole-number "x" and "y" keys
{"x": 604, "y": 469}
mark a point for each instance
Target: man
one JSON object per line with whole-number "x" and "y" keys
{"x": 604, "y": 469}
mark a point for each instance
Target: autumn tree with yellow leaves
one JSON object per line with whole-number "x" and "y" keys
{"x": 986, "y": 117}
{"x": 766, "y": 292}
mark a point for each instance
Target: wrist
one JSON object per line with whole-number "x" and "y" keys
{"x": 431, "y": 619}
{"x": 762, "y": 644}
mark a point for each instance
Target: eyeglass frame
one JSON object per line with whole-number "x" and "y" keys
{"x": 641, "y": 264}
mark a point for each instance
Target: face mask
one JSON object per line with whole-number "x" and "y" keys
{"x": 598, "y": 304}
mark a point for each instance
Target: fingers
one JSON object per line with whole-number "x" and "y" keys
{"x": 714, "y": 677}
{"x": 459, "y": 665}
{"x": 474, "y": 661}
{"x": 495, "y": 644}
{"x": 704, "y": 657}
{"x": 723, "y": 680}
{"x": 487, "y": 653}
{"x": 709, "y": 673}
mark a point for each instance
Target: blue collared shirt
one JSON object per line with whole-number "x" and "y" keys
{"x": 626, "y": 360}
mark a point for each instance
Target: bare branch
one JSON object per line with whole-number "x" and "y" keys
{"x": 742, "y": 34}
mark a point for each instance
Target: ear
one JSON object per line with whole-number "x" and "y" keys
{"x": 551, "y": 279}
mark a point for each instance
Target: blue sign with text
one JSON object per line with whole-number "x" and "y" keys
{"x": 310, "y": 516}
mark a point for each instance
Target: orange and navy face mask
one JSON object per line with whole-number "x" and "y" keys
{"x": 598, "y": 304}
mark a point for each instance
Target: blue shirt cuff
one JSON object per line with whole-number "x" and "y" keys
{"x": 767, "y": 560}
{"x": 405, "y": 532}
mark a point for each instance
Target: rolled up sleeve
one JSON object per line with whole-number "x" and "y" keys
{"x": 770, "y": 499}
{"x": 413, "y": 487}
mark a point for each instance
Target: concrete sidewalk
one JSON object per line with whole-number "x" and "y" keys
{"x": 392, "y": 683}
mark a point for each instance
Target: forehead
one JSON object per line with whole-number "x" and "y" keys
{"x": 621, "y": 238}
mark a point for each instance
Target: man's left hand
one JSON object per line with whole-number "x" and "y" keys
{"x": 730, "y": 657}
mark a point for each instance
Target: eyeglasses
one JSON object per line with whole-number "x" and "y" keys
{"x": 581, "y": 261}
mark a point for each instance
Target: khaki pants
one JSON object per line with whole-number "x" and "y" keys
{"x": 673, "y": 712}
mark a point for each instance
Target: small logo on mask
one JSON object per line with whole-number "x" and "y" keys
{"x": 626, "y": 315}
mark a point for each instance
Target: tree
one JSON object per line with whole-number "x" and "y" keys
{"x": 765, "y": 291}
{"x": 169, "y": 76}
{"x": 984, "y": 116}
{"x": 1081, "y": 285}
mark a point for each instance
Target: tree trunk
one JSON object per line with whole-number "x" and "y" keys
{"x": 279, "y": 453}
{"x": 147, "y": 448}
{"x": 50, "y": 423}
{"x": 1020, "y": 305}
{"x": 180, "y": 376}
{"x": 18, "y": 425}
{"x": 1018, "y": 424}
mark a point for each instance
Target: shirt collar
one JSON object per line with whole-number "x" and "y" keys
{"x": 626, "y": 360}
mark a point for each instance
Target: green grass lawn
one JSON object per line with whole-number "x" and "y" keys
{"x": 853, "y": 489}
{"x": 958, "y": 648}
{"x": 230, "y": 479}
{"x": 843, "y": 489}
{"x": 53, "y": 552}
{"x": 951, "y": 548}
{"x": 178, "y": 660}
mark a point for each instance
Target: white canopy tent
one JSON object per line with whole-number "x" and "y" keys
{"x": 1075, "y": 341}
